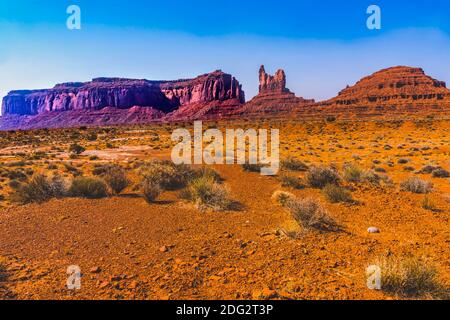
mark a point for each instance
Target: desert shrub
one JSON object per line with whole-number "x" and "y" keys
{"x": 310, "y": 214}
{"x": 335, "y": 193}
{"x": 291, "y": 182}
{"x": 39, "y": 189}
{"x": 440, "y": 173}
{"x": 293, "y": 164}
{"x": 428, "y": 204}
{"x": 371, "y": 177}
{"x": 410, "y": 277}
{"x": 352, "y": 173}
{"x": 71, "y": 169}
{"x": 319, "y": 177}
{"x": 402, "y": 161}
{"x": 256, "y": 167}
{"x": 92, "y": 136}
{"x": 151, "y": 190}
{"x": 282, "y": 197}
{"x": 52, "y": 166}
{"x": 205, "y": 172}
{"x": 166, "y": 174}
{"x": 14, "y": 184}
{"x": 16, "y": 175}
{"x": 416, "y": 185}
{"x": 116, "y": 179}
{"x": 205, "y": 193}
{"x": 88, "y": 187}
{"x": 76, "y": 149}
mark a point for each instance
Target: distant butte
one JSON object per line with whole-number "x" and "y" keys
{"x": 273, "y": 97}
{"x": 398, "y": 91}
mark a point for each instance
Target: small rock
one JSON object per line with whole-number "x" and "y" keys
{"x": 95, "y": 270}
{"x": 373, "y": 230}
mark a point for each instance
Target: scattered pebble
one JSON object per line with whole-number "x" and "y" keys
{"x": 373, "y": 230}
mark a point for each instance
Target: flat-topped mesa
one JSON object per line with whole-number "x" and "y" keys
{"x": 398, "y": 90}
{"x": 121, "y": 93}
{"x": 396, "y": 85}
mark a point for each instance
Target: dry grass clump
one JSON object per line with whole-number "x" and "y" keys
{"x": 308, "y": 212}
{"x": 353, "y": 173}
{"x": 39, "y": 189}
{"x": 428, "y": 204}
{"x": 335, "y": 194}
{"x": 410, "y": 277}
{"x": 76, "y": 149}
{"x": 88, "y": 187}
{"x": 319, "y": 177}
{"x": 282, "y": 197}
{"x": 440, "y": 173}
{"x": 293, "y": 164}
{"x": 416, "y": 185}
{"x": 116, "y": 178}
{"x": 166, "y": 174}
{"x": 151, "y": 190}
{"x": 252, "y": 167}
{"x": 206, "y": 194}
{"x": 291, "y": 182}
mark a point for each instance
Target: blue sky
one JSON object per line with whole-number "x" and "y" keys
{"x": 322, "y": 45}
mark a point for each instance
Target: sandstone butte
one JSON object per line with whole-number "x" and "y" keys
{"x": 403, "y": 91}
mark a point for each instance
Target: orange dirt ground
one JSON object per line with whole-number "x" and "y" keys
{"x": 129, "y": 249}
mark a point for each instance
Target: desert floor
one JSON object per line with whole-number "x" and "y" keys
{"x": 130, "y": 249}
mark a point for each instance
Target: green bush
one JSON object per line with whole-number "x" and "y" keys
{"x": 88, "y": 187}
{"x": 319, "y": 177}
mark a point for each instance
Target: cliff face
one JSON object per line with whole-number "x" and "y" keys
{"x": 402, "y": 91}
{"x": 100, "y": 93}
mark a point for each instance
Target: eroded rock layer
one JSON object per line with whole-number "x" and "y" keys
{"x": 100, "y": 93}
{"x": 273, "y": 97}
{"x": 397, "y": 90}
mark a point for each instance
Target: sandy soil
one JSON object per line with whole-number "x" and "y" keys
{"x": 129, "y": 249}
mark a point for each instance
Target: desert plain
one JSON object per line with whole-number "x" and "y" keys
{"x": 170, "y": 248}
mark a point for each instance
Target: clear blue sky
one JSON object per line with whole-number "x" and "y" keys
{"x": 322, "y": 45}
